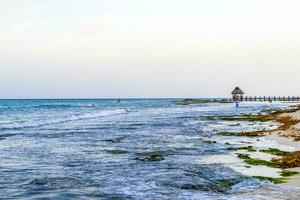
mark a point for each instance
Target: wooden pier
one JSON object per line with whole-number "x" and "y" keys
{"x": 268, "y": 98}
{"x": 238, "y": 95}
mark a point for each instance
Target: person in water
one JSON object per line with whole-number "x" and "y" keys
{"x": 237, "y": 103}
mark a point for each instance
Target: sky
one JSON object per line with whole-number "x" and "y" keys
{"x": 148, "y": 48}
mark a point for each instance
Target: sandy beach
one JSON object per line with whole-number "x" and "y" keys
{"x": 290, "y": 136}
{"x": 286, "y": 138}
{"x": 293, "y": 130}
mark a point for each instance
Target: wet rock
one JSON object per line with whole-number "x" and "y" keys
{"x": 209, "y": 142}
{"x": 209, "y": 178}
{"x": 219, "y": 186}
{"x": 46, "y": 183}
{"x": 151, "y": 156}
{"x": 114, "y": 140}
{"x": 117, "y": 151}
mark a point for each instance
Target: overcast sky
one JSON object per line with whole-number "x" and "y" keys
{"x": 148, "y": 48}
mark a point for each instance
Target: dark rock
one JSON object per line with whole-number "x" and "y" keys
{"x": 151, "y": 156}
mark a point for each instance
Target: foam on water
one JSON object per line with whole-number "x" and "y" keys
{"x": 101, "y": 149}
{"x": 59, "y": 120}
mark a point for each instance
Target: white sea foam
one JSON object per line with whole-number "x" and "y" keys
{"x": 59, "y": 120}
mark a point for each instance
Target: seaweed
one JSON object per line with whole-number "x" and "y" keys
{"x": 248, "y": 148}
{"x": 246, "y": 134}
{"x": 250, "y": 118}
{"x": 287, "y": 173}
{"x": 255, "y": 161}
{"x": 243, "y": 156}
{"x": 275, "y": 152}
{"x": 289, "y": 161}
{"x": 273, "y": 180}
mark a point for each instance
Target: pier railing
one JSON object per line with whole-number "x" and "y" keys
{"x": 269, "y": 98}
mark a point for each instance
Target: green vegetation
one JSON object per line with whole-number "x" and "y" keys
{"x": 248, "y": 148}
{"x": 255, "y": 161}
{"x": 287, "y": 173}
{"x": 273, "y": 180}
{"x": 247, "y": 134}
{"x": 275, "y": 152}
{"x": 243, "y": 156}
{"x": 250, "y": 118}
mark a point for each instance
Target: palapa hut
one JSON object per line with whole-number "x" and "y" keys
{"x": 237, "y": 94}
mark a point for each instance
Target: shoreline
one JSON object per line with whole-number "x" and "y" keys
{"x": 286, "y": 134}
{"x": 288, "y": 120}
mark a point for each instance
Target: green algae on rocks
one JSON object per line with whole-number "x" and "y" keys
{"x": 276, "y": 152}
{"x": 241, "y": 134}
{"x": 288, "y": 173}
{"x": 273, "y": 180}
{"x": 255, "y": 161}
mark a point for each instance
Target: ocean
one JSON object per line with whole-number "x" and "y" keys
{"x": 132, "y": 149}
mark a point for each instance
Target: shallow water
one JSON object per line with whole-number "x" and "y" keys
{"x": 135, "y": 149}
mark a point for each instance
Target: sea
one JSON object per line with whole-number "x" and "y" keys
{"x": 86, "y": 149}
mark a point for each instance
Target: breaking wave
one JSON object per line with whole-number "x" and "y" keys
{"x": 47, "y": 106}
{"x": 75, "y": 117}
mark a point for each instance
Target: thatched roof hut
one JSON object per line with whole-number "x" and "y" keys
{"x": 237, "y": 94}
{"x": 237, "y": 91}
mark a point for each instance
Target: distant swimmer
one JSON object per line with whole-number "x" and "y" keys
{"x": 118, "y": 100}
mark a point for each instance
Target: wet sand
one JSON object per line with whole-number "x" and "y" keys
{"x": 288, "y": 139}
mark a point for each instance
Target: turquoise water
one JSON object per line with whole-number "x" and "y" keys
{"x": 101, "y": 149}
